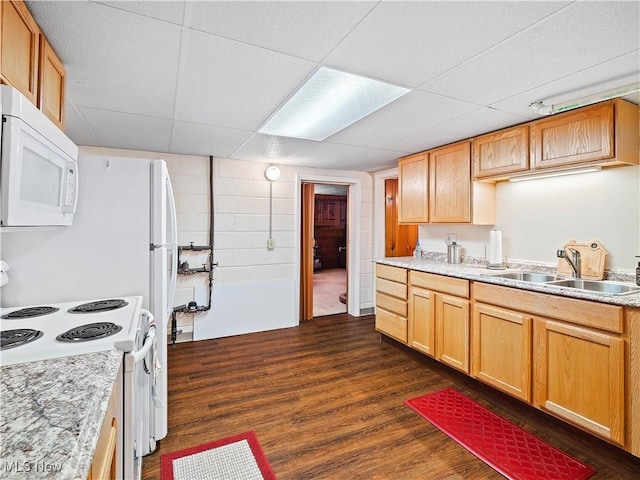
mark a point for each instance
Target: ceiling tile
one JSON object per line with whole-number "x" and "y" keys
{"x": 198, "y": 139}
{"x": 305, "y": 29}
{"x": 130, "y": 60}
{"x": 482, "y": 120}
{"x": 124, "y": 130}
{"x": 412, "y": 42}
{"x": 169, "y": 11}
{"x": 269, "y": 148}
{"x": 224, "y": 82}
{"x": 585, "y": 34}
{"x": 77, "y": 129}
{"x": 412, "y": 112}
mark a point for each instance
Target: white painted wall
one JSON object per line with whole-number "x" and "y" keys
{"x": 538, "y": 216}
{"x": 255, "y": 288}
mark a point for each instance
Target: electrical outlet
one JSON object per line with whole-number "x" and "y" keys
{"x": 271, "y": 244}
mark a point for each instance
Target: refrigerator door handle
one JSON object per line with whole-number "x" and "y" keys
{"x": 174, "y": 246}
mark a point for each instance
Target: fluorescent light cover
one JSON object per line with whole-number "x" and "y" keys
{"x": 554, "y": 174}
{"x": 328, "y": 102}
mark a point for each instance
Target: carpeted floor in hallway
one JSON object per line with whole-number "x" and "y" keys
{"x": 328, "y": 285}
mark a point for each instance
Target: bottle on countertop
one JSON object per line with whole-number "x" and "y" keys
{"x": 638, "y": 272}
{"x": 417, "y": 252}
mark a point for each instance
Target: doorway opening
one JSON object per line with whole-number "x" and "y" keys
{"x": 329, "y": 249}
{"x": 306, "y": 241}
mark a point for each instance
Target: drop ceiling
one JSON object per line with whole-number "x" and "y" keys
{"x": 200, "y": 78}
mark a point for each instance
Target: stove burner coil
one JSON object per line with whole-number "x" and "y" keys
{"x": 31, "y": 312}
{"x": 99, "y": 306}
{"x": 15, "y": 338}
{"x": 90, "y": 331}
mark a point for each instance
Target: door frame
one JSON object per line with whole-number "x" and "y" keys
{"x": 354, "y": 201}
{"x": 379, "y": 210}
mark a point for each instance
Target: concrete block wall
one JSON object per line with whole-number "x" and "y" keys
{"x": 248, "y": 272}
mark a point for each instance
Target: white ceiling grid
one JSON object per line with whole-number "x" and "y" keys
{"x": 192, "y": 77}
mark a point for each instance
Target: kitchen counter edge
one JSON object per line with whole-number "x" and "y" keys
{"x": 480, "y": 273}
{"x": 52, "y": 412}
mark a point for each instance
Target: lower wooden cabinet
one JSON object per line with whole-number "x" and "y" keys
{"x": 391, "y": 301}
{"x": 422, "y": 321}
{"x": 502, "y": 349}
{"x": 579, "y": 377}
{"x": 452, "y": 327}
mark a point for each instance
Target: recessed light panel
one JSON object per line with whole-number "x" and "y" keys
{"x": 330, "y": 101}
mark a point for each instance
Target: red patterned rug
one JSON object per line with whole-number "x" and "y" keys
{"x": 239, "y": 457}
{"x": 513, "y": 452}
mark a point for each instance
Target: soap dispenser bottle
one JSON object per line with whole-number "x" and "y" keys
{"x": 638, "y": 272}
{"x": 417, "y": 252}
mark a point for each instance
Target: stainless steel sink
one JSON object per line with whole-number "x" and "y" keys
{"x": 595, "y": 286}
{"x": 532, "y": 277}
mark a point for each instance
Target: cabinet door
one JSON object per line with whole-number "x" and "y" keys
{"x": 422, "y": 321}
{"x": 19, "y": 49}
{"x": 580, "y": 377}
{"x": 501, "y": 350}
{"x": 450, "y": 184}
{"x": 413, "y": 206}
{"x": 452, "y": 331}
{"x": 502, "y": 152}
{"x": 327, "y": 211}
{"x": 583, "y": 136}
{"x": 51, "y": 81}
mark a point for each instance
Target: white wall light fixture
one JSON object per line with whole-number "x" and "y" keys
{"x": 559, "y": 173}
{"x": 272, "y": 173}
{"x": 328, "y": 102}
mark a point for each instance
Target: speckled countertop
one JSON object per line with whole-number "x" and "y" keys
{"x": 51, "y": 412}
{"x": 478, "y": 272}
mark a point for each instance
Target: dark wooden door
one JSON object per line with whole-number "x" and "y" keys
{"x": 400, "y": 240}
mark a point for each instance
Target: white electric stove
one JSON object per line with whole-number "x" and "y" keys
{"x": 41, "y": 332}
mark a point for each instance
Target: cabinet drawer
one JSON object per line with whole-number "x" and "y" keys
{"x": 391, "y": 304}
{"x": 391, "y": 288}
{"x": 583, "y": 312}
{"x": 396, "y": 274}
{"x": 391, "y": 324}
{"x": 440, "y": 283}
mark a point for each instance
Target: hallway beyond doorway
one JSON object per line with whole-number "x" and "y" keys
{"x": 328, "y": 285}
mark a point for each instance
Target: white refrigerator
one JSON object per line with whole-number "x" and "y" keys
{"x": 122, "y": 243}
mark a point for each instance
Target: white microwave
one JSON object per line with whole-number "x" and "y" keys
{"x": 38, "y": 166}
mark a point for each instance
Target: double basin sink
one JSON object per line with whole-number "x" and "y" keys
{"x": 577, "y": 283}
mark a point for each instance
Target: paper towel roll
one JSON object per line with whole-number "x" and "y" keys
{"x": 495, "y": 247}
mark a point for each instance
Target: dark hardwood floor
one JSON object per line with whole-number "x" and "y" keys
{"x": 326, "y": 400}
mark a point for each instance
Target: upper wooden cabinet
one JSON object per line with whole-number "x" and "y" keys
{"x": 19, "y": 51}
{"x": 436, "y": 187}
{"x": 606, "y": 132}
{"x": 28, "y": 63}
{"x": 450, "y": 184}
{"x": 51, "y": 84}
{"x": 500, "y": 153}
{"x": 413, "y": 189}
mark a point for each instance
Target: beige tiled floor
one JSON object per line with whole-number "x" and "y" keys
{"x": 328, "y": 285}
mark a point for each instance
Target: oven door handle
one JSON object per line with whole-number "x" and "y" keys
{"x": 136, "y": 357}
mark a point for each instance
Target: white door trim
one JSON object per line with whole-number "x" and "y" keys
{"x": 379, "y": 210}
{"x": 354, "y": 200}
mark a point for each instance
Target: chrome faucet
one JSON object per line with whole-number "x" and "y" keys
{"x": 575, "y": 264}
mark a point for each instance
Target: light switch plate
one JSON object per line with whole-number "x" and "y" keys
{"x": 271, "y": 244}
